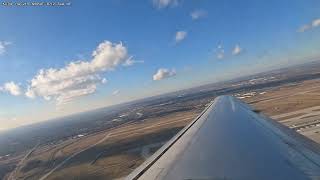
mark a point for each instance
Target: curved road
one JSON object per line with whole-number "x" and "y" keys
{"x": 14, "y": 172}
{"x": 72, "y": 156}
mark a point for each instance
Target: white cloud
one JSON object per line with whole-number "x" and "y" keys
{"x": 12, "y": 88}
{"x": 106, "y": 57}
{"x": 78, "y": 78}
{"x": 220, "y": 55}
{"x": 197, "y": 14}
{"x": 30, "y": 93}
{"x": 180, "y": 35}
{"x": 315, "y": 23}
{"x": 219, "y": 52}
{"x": 104, "y": 80}
{"x": 165, "y": 3}
{"x": 304, "y": 28}
{"x": 130, "y": 62}
{"x": 163, "y": 73}
{"x": 115, "y": 92}
{"x": 3, "y": 46}
{"x": 236, "y": 50}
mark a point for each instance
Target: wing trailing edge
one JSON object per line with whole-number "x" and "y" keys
{"x": 228, "y": 140}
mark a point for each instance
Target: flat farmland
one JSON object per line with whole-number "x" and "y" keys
{"x": 295, "y": 105}
{"x": 109, "y": 144}
{"x": 105, "y": 155}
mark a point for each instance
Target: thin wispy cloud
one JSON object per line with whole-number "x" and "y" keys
{"x": 220, "y": 55}
{"x": 3, "y": 46}
{"x": 115, "y": 92}
{"x": 163, "y": 73}
{"x": 180, "y": 35}
{"x": 219, "y": 51}
{"x": 130, "y": 61}
{"x": 198, "y": 14}
{"x": 165, "y": 3}
{"x": 313, "y": 24}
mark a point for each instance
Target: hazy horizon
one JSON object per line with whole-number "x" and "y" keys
{"x": 61, "y": 61}
{"x": 142, "y": 98}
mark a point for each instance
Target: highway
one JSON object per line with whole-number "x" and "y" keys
{"x": 14, "y": 172}
{"x": 45, "y": 176}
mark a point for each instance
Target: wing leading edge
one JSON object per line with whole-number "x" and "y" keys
{"x": 229, "y": 141}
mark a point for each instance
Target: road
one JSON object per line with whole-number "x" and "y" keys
{"x": 72, "y": 156}
{"x": 14, "y": 172}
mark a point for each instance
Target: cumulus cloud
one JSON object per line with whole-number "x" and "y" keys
{"x": 78, "y": 78}
{"x": 163, "y": 73}
{"x": 165, "y": 3}
{"x": 197, "y": 14}
{"x": 3, "y": 46}
{"x": 12, "y": 88}
{"x": 180, "y": 35}
{"x": 315, "y": 23}
{"x": 30, "y": 93}
{"x": 236, "y": 50}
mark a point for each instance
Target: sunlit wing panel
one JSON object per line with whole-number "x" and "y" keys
{"x": 230, "y": 141}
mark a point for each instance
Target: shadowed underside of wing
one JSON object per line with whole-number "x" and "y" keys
{"x": 229, "y": 141}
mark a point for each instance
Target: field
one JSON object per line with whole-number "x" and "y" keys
{"x": 124, "y": 149}
{"x": 110, "y": 143}
{"x": 114, "y": 153}
{"x": 296, "y": 105}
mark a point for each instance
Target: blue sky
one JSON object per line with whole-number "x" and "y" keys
{"x": 146, "y": 48}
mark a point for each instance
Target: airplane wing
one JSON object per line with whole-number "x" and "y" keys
{"x": 230, "y": 141}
